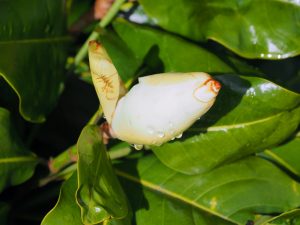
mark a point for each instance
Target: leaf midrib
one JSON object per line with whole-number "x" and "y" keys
{"x": 37, "y": 40}
{"x": 17, "y": 159}
{"x": 236, "y": 126}
{"x": 171, "y": 194}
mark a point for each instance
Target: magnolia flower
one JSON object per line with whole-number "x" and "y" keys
{"x": 157, "y": 109}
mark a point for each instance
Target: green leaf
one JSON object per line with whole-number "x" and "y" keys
{"x": 287, "y": 218}
{"x": 16, "y": 162}
{"x": 125, "y": 61}
{"x": 249, "y": 115}
{"x": 284, "y": 72}
{"x": 76, "y": 9}
{"x": 4, "y": 210}
{"x": 287, "y": 155}
{"x": 253, "y": 29}
{"x": 155, "y": 208}
{"x": 166, "y": 52}
{"x": 99, "y": 195}
{"x": 66, "y": 211}
{"x": 33, "y": 53}
{"x": 234, "y": 192}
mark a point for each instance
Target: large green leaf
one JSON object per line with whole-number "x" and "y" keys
{"x": 152, "y": 208}
{"x": 99, "y": 195}
{"x": 33, "y": 52}
{"x": 125, "y": 61}
{"x": 253, "y": 28}
{"x": 16, "y": 162}
{"x": 287, "y": 155}
{"x": 66, "y": 210}
{"x": 233, "y": 192}
{"x": 250, "y": 115}
{"x": 167, "y": 52}
{"x": 291, "y": 217}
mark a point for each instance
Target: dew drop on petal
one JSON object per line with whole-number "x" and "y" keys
{"x": 179, "y": 135}
{"x": 150, "y": 130}
{"x": 138, "y": 147}
{"x": 160, "y": 134}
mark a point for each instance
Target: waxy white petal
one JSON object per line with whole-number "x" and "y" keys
{"x": 162, "y": 106}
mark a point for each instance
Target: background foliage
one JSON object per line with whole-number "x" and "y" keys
{"x": 239, "y": 164}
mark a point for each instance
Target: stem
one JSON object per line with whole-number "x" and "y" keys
{"x": 69, "y": 156}
{"x": 96, "y": 117}
{"x": 64, "y": 165}
{"x": 94, "y": 35}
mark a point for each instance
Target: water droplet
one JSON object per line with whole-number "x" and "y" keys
{"x": 97, "y": 209}
{"x": 160, "y": 134}
{"x": 179, "y": 135}
{"x": 150, "y": 130}
{"x": 138, "y": 147}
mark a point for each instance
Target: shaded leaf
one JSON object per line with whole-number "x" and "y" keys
{"x": 125, "y": 61}
{"x": 249, "y": 115}
{"x": 287, "y": 155}
{"x": 66, "y": 211}
{"x": 155, "y": 208}
{"x": 166, "y": 52}
{"x": 33, "y": 52}
{"x": 76, "y": 9}
{"x": 284, "y": 72}
{"x": 233, "y": 192}
{"x": 16, "y": 162}
{"x": 287, "y": 218}
{"x": 253, "y": 29}
{"x": 99, "y": 193}
{"x": 4, "y": 210}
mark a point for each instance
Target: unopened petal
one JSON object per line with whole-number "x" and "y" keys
{"x": 161, "y": 107}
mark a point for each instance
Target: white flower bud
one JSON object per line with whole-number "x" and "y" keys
{"x": 162, "y": 106}
{"x": 157, "y": 109}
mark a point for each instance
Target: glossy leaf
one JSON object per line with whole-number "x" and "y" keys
{"x": 287, "y": 155}
{"x": 166, "y": 52}
{"x": 253, "y": 29}
{"x": 99, "y": 193}
{"x": 16, "y": 162}
{"x": 33, "y": 53}
{"x": 249, "y": 115}
{"x": 291, "y": 217}
{"x": 66, "y": 211}
{"x": 233, "y": 192}
{"x": 155, "y": 208}
{"x": 125, "y": 61}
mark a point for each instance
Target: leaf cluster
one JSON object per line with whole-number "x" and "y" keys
{"x": 238, "y": 164}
